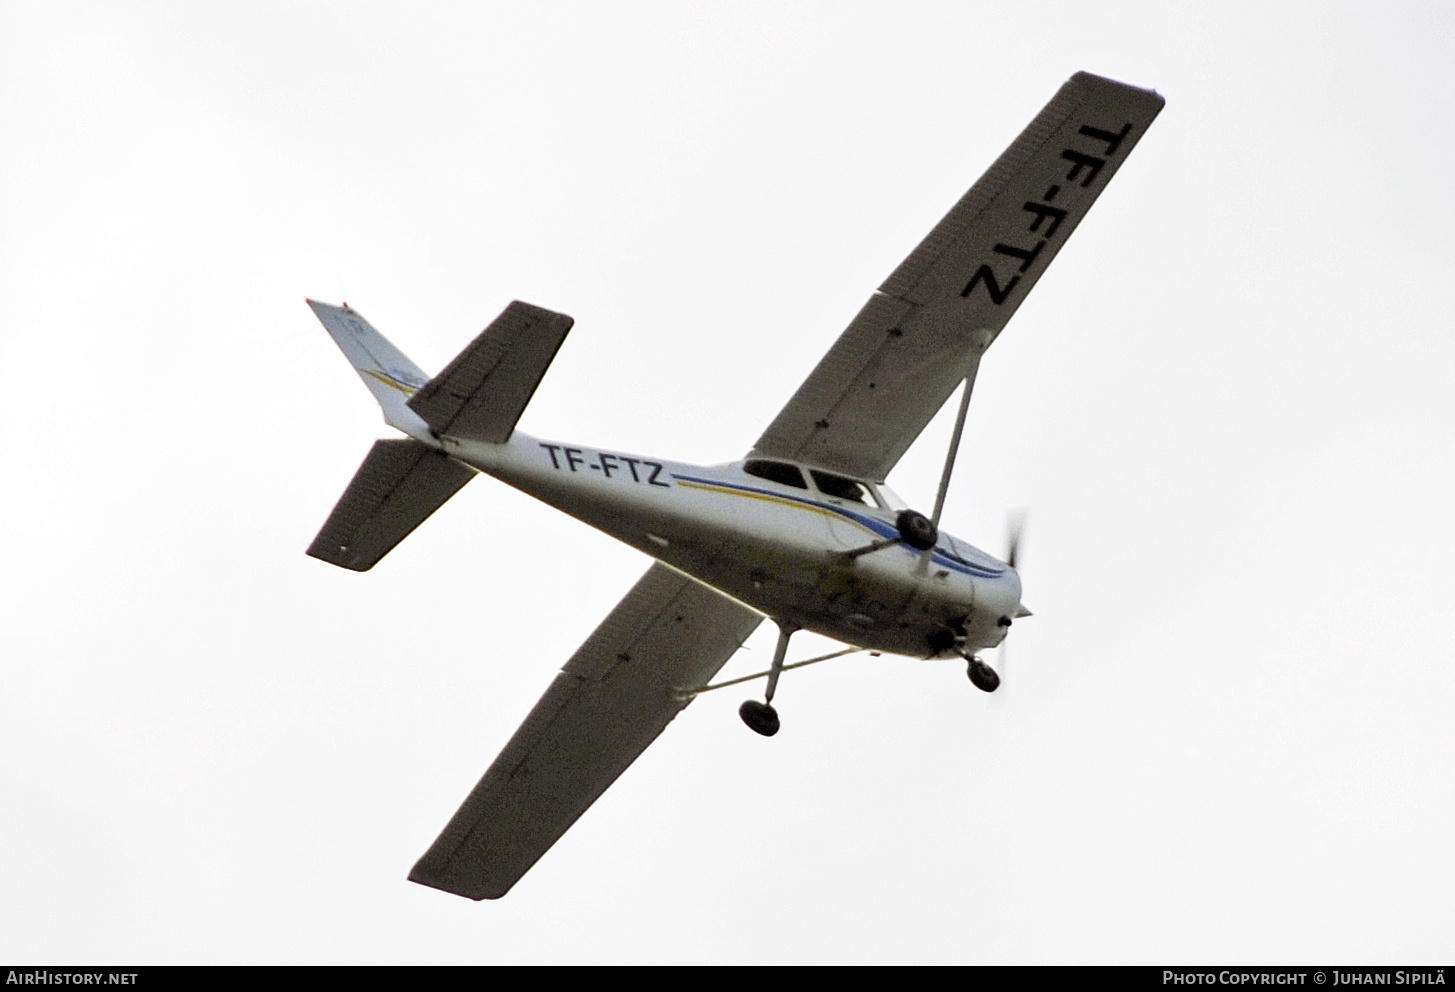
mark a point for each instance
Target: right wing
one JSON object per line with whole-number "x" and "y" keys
{"x": 927, "y": 326}
{"x": 615, "y": 695}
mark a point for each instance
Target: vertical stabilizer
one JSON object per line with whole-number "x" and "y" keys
{"x": 390, "y": 376}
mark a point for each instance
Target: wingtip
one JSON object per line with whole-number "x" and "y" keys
{"x": 454, "y": 888}
{"x": 1090, "y": 77}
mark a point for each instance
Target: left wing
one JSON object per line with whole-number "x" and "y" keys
{"x": 929, "y": 323}
{"x": 612, "y": 699}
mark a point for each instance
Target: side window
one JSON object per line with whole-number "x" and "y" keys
{"x": 840, "y": 487}
{"x": 890, "y": 499}
{"x": 779, "y": 472}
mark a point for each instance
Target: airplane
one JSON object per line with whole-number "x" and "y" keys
{"x": 802, "y": 530}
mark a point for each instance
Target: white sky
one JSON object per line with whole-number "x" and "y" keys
{"x": 1226, "y": 734}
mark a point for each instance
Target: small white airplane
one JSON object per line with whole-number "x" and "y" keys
{"x": 802, "y": 530}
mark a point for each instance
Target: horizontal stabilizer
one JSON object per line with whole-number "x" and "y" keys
{"x": 399, "y": 485}
{"x": 482, "y": 393}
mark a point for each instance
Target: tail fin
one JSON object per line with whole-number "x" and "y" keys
{"x": 402, "y": 481}
{"x": 479, "y": 396}
{"x": 391, "y": 377}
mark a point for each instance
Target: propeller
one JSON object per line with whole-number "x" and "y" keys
{"x": 1015, "y": 528}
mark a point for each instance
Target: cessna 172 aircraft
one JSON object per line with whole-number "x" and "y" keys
{"x": 802, "y": 530}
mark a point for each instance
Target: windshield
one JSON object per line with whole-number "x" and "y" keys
{"x": 891, "y": 499}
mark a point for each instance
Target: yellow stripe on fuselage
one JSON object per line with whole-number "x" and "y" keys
{"x": 780, "y": 500}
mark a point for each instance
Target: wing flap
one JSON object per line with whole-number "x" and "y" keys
{"x": 482, "y": 393}
{"x": 612, "y": 699}
{"x": 925, "y": 329}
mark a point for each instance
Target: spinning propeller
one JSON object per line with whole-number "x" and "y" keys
{"x": 984, "y": 677}
{"x": 1015, "y": 526}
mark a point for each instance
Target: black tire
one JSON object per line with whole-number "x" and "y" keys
{"x": 916, "y": 530}
{"x": 983, "y": 676}
{"x": 760, "y": 717}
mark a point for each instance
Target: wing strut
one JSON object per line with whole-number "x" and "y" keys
{"x": 692, "y": 693}
{"x": 914, "y": 528}
{"x": 954, "y": 449}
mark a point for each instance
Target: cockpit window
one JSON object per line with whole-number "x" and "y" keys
{"x": 779, "y": 472}
{"x": 840, "y": 487}
{"x": 891, "y": 499}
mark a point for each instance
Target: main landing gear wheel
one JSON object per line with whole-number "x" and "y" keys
{"x": 981, "y": 674}
{"x": 761, "y": 718}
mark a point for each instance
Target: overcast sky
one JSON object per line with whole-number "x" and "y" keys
{"x": 1225, "y": 735}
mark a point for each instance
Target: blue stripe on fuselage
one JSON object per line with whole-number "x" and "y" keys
{"x": 875, "y": 526}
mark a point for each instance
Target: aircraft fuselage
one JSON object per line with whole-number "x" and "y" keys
{"x": 777, "y": 548}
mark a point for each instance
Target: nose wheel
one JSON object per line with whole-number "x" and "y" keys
{"x": 981, "y": 675}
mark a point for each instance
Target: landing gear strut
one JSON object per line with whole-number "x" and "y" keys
{"x": 954, "y": 636}
{"x": 762, "y": 718}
